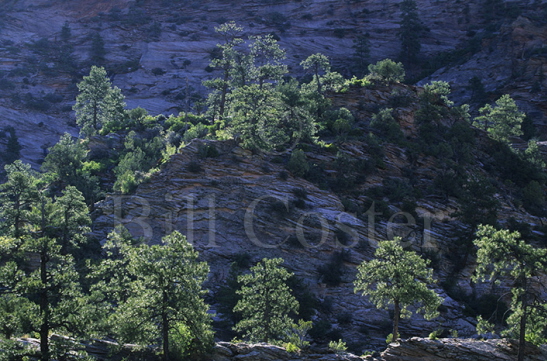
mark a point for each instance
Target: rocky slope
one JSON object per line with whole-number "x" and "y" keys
{"x": 244, "y": 203}
{"x": 158, "y": 52}
{"x": 413, "y": 349}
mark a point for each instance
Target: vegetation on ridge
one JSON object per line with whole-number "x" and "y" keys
{"x": 55, "y": 278}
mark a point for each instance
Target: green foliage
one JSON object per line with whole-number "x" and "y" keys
{"x": 97, "y": 103}
{"x": 361, "y": 54}
{"x": 17, "y": 196}
{"x": 436, "y": 334}
{"x": 298, "y": 334}
{"x": 166, "y": 295}
{"x": 265, "y": 119}
{"x": 502, "y": 121}
{"x": 357, "y": 82}
{"x": 65, "y": 159}
{"x": 13, "y": 148}
{"x": 323, "y": 78}
{"x": 409, "y": 32}
{"x": 48, "y": 297}
{"x": 387, "y": 71}
{"x": 338, "y": 346}
{"x": 386, "y": 123}
{"x": 399, "y": 278}
{"x": 298, "y": 163}
{"x": 265, "y": 302}
{"x": 502, "y": 253}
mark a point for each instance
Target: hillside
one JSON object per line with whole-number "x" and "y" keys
{"x": 315, "y": 164}
{"x": 244, "y": 203}
{"x": 157, "y": 53}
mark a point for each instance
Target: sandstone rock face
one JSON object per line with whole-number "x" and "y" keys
{"x": 420, "y": 349}
{"x": 225, "y": 351}
{"x": 177, "y": 38}
{"x": 241, "y": 202}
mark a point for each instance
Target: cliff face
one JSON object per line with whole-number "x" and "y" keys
{"x": 158, "y": 52}
{"x": 244, "y": 203}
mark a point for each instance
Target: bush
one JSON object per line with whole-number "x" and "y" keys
{"x": 194, "y": 167}
{"x": 387, "y": 71}
{"x": 300, "y": 193}
{"x": 298, "y": 163}
{"x": 291, "y": 348}
{"x": 386, "y": 123}
{"x": 125, "y": 183}
{"x": 338, "y": 346}
{"x": 158, "y": 71}
{"x": 320, "y": 329}
{"x": 207, "y": 151}
{"x": 344, "y": 318}
{"x": 533, "y": 198}
{"x": 332, "y": 272}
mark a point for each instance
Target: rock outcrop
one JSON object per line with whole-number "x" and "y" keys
{"x": 225, "y": 351}
{"x": 421, "y": 349}
{"x": 157, "y": 52}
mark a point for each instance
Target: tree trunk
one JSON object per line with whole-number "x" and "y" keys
{"x": 522, "y": 328}
{"x": 44, "y": 309}
{"x": 165, "y": 329}
{"x": 224, "y": 91}
{"x": 396, "y": 316}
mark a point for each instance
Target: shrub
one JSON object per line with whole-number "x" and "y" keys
{"x": 338, "y": 346}
{"x": 344, "y": 318}
{"x": 387, "y": 71}
{"x": 158, "y": 71}
{"x": 320, "y": 329}
{"x": 194, "y": 167}
{"x": 125, "y": 183}
{"x": 207, "y": 151}
{"x": 386, "y": 123}
{"x": 332, "y": 272}
{"x": 291, "y": 348}
{"x": 300, "y": 193}
{"x": 298, "y": 163}
{"x": 436, "y": 334}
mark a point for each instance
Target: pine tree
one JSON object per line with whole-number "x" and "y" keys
{"x": 503, "y": 254}
{"x": 17, "y": 197}
{"x": 399, "y": 278}
{"x": 166, "y": 293}
{"x": 361, "y": 54}
{"x": 266, "y": 302}
{"x": 501, "y": 121}
{"x": 98, "y": 102}
{"x": 409, "y": 32}
{"x": 43, "y": 276}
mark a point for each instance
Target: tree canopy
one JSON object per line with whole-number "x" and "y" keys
{"x": 266, "y": 302}
{"x": 502, "y": 120}
{"x": 98, "y": 102}
{"x": 400, "y": 279}
{"x": 502, "y": 253}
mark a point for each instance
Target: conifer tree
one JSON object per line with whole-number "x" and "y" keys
{"x": 266, "y": 302}
{"x": 166, "y": 293}
{"x": 409, "y": 32}
{"x": 98, "y": 102}
{"x": 399, "y": 278}
{"x": 501, "y": 121}
{"x": 502, "y": 253}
